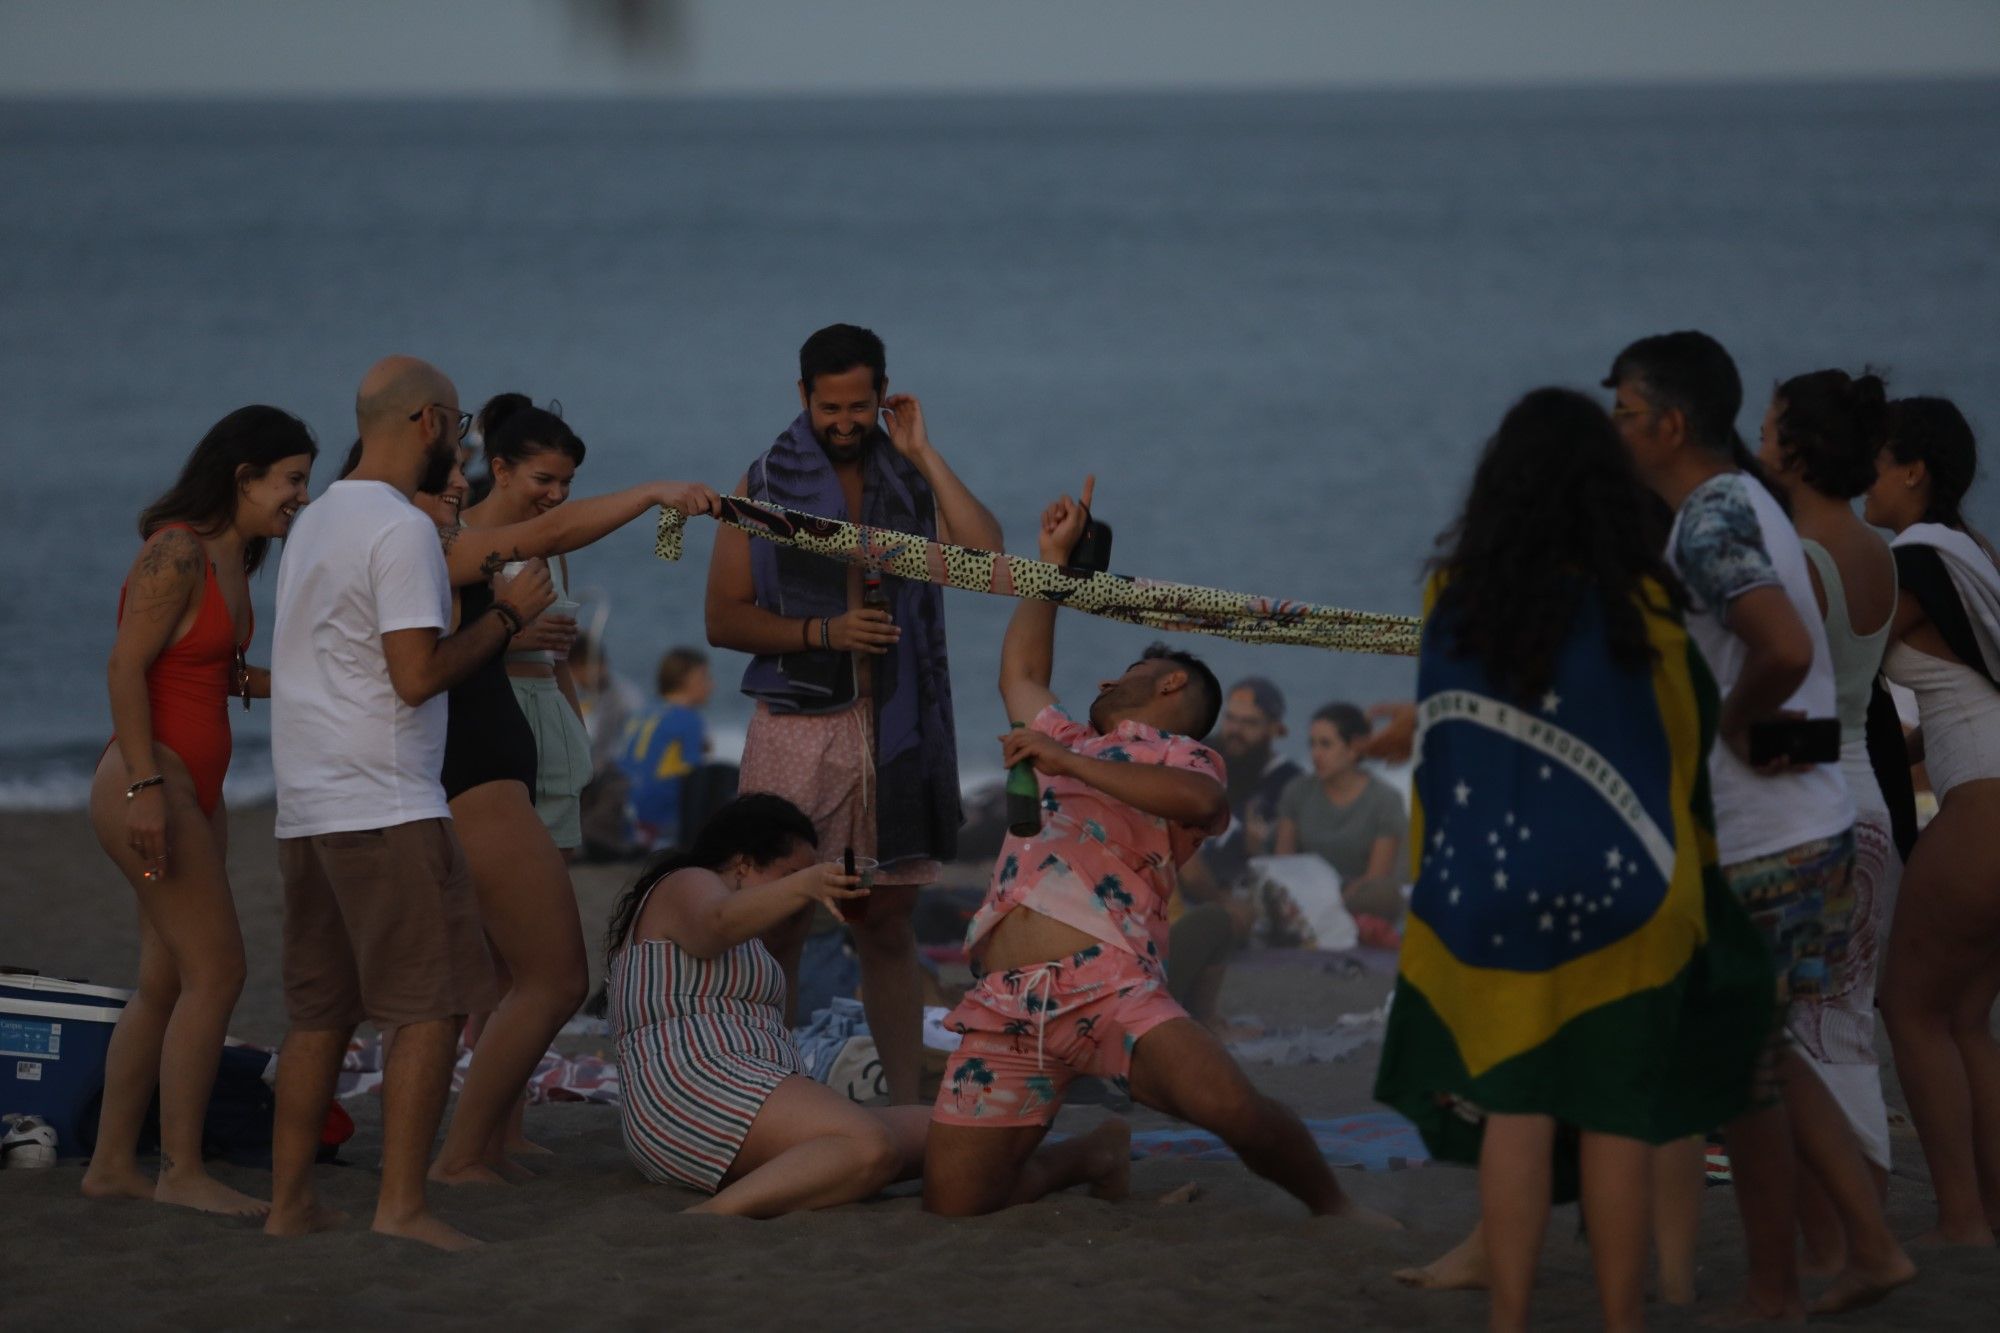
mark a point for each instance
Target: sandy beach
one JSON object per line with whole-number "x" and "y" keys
{"x": 589, "y": 1244}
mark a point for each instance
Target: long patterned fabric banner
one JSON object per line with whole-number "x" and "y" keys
{"x": 1166, "y": 607}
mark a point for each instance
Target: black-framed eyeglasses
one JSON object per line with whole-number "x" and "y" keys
{"x": 464, "y": 417}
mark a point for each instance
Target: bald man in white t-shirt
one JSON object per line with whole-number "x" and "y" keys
{"x": 381, "y": 921}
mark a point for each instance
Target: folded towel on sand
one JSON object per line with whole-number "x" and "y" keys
{"x": 558, "y": 1078}
{"x": 1375, "y": 1141}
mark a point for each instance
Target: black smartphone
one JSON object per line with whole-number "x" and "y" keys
{"x": 1803, "y": 740}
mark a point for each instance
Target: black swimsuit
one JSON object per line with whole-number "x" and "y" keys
{"x": 486, "y": 739}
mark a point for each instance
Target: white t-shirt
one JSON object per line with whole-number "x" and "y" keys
{"x": 361, "y": 562}
{"x": 1729, "y": 537}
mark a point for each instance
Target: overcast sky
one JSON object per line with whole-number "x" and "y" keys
{"x": 402, "y": 47}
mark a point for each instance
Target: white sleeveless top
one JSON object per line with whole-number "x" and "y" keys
{"x": 1857, "y": 658}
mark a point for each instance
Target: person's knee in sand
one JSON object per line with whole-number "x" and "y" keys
{"x": 717, "y": 1096}
{"x": 1071, "y": 941}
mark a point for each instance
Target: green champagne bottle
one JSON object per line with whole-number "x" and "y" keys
{"x": 1024, "y": 800}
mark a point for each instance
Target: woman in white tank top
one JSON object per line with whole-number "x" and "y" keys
{"x": 1943, "y": 970}
{"x": 1820, "y": 436}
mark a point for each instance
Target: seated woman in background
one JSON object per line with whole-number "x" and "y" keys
{"x": 716, "y": 1097}
{"x": 1345, "y": 816}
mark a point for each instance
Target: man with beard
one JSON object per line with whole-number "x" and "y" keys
{"x": 1070, "y": 945}
{"x": 1212, "y": 918}
{"x": 380, "y": 917}
{"x": 853, "y": 722}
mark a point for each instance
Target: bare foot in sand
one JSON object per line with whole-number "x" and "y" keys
{"x": 1110, "y": 1161}
{"x": 1460, "y": 1268}
{"x": 1352, "y": 1210}
{"x": 1745, "y": 1314}
{"x": 1188, "y": 1193}
{"x": 116, "y": 1182}
{"x": 303, "y": 1222}
{"x": 473, "y": 1173}
{"x": 522, "y": 1147}
{"x": 1937, "y": 1238}
{"x": 201, "y": 1191}
{"x": 1858, "y": 1287}
{"x": 428, "y": 1229}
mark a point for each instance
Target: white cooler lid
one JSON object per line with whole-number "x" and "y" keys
{"x": 55, "y": 988}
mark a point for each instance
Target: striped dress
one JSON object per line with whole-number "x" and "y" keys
{"x": 701, "y": 1044}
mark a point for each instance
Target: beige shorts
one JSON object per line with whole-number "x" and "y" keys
{"x": 382, "y": 924}
{"x": 824, "y": 763}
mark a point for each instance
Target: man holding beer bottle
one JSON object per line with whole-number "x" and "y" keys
{"x": 854, "y": 720}
{"x": 1070, "y": 944}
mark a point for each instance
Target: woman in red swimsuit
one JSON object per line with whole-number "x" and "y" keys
{"x": 184, "y": 620}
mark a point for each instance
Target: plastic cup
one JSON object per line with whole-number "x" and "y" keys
{"x": 563, "y": 606}
{"x": 853, "y": 909}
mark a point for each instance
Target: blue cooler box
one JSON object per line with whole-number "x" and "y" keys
{"x": 53, "y": 1036}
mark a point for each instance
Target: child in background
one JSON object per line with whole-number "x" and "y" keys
{"x": 662, "y": 744}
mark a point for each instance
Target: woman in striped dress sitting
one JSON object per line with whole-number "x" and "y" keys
{"x": 716, "y": 1097}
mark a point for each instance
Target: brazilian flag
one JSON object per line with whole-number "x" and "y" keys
{"x": 1571, "y": 949}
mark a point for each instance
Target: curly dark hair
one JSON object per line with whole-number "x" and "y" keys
{"x": 1556, "y": 516}
{"x": 1831, "y": 426}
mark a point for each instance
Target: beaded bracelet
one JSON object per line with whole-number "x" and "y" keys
{"x": 157, "y": 780}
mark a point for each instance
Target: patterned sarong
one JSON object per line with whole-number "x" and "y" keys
{"x": 1155, "y": 605}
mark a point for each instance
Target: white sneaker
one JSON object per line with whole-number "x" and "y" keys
{"x": 30, "y": 1141}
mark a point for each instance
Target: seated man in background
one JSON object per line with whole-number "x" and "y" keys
{"x": 1209, "y": 919}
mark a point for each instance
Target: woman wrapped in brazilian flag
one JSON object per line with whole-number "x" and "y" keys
{"x": 1572, "y": 964}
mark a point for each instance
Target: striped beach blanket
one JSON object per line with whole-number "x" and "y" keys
{"x": 1373, "y": 1141}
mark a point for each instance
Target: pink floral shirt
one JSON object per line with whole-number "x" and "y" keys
{"x": 1098, "y": 864}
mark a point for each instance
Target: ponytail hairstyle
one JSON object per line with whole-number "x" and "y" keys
{"x": 515, "y": 430}
{"x": 760, "y": 828}
{"x": 1831, "y": 427}
{"x": 1932, "y": 431}
{"x": 250, "y": 440}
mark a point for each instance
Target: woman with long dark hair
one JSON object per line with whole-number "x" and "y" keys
{"x": 1567, "y": 940}
{"x": 1943, "y": 969}
{"x": 716, "y": 1097}
{"x": 184, "y": 623}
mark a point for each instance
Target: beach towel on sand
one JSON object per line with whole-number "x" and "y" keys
{"x": 1570, "y": 950}
{"x": 1374, "y": 1141}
